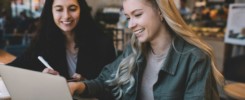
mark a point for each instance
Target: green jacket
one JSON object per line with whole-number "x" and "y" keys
{"x": 185, "y": 75}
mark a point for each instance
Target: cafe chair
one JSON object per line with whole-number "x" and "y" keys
{"x": 118, "y": 38}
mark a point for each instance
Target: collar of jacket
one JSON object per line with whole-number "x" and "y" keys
{"x": 173, "y": 57}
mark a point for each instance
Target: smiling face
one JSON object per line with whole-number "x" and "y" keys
{"x": 66, "y": 14}
{"x": 143, "y": 19}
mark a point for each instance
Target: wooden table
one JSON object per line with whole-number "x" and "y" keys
{"x": 235, "y": 90}
{"x": 6, "y": 57}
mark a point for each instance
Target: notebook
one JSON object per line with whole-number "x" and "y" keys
{"x": 25, "y": 84}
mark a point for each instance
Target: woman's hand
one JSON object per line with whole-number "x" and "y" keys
{"x": 79, "y": 87}
{"x": 50, "y": 71}
{"x": 76, "y": 78}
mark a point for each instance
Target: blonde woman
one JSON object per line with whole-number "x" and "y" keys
{"x": 165, "y": 60}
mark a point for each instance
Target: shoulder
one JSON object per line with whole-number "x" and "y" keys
{"x": 196, "y": 60}
{"x": 187, "y": 50}
{"x": 196, "y": 53}
{"x": 102, "y": 38}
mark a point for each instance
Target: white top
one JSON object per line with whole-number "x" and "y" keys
{"x": 72, "y": 62}
{"x": 150, "y": 75}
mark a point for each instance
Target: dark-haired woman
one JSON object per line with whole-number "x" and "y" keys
{"x": 69, "y": 40}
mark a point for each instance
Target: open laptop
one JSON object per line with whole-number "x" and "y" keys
{"x": 25, "y": 84}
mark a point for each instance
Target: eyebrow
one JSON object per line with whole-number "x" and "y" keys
{"x": 57, "y": 6}
{"x": 68, "y": 6}
{"x": 134, "y": 11}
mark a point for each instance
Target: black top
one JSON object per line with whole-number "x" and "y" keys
{"x": 92, "y": 58}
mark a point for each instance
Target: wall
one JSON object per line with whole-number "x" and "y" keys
{"x": 96, "y": 4}
{"x": 240, "y": 1}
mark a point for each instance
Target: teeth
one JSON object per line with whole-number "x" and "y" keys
{"x": 138, "y": 31}
{"x": 66, "y": 22}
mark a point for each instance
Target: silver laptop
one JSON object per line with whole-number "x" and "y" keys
{"x": 25, "y": 84}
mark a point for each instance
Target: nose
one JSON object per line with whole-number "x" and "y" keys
{"x": 131, "y": 23}
{"x": 66, "y": 14}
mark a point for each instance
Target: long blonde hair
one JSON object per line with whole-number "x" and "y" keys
{"x": 177, "y": 24}
{"x": 173, "y": 19}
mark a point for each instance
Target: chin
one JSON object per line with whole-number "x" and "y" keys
{"x": 67, "y": 29}
{"x": 141, "y": 40}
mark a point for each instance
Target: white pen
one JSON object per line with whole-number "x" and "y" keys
{"x": 44, "y": 62}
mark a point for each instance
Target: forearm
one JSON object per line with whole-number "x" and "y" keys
{"x": 81, "y": 87}
{"x": 77, "y": 87}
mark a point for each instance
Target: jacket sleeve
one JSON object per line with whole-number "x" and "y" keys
{"x": 200, "y": 84}
{"x": 98, "y": 86}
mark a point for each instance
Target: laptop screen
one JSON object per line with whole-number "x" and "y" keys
{"x": 25, "y": 84}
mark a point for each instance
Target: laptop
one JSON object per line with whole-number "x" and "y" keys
{"x": 25, "y": 84}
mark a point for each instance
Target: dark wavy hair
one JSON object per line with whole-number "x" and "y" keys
{"x": 49, "y": 36}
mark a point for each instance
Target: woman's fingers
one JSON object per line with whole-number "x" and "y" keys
{"x": 77, "y": 77}
{"x": 50, "y": 71}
